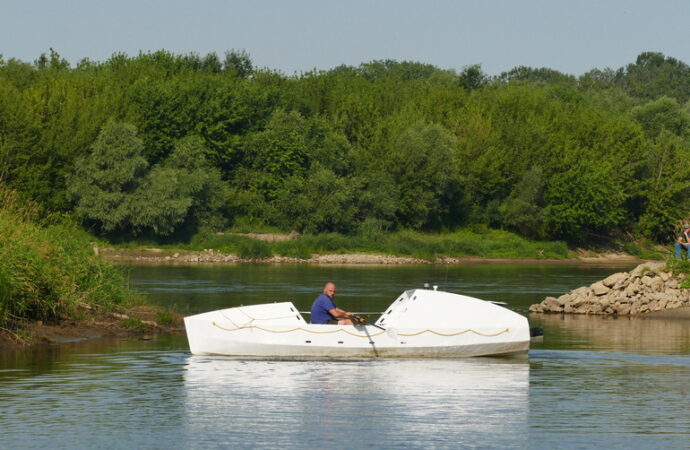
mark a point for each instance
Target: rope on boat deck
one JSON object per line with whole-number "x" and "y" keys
{"x": 507, "y": 330}
{"x": 252, "y": 319}
{"x": 338, "y": 330}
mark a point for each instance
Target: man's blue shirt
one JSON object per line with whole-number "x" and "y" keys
{"x": 320, "y": 308}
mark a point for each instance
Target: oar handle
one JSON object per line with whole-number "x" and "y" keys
{"x": 363, "y": 321}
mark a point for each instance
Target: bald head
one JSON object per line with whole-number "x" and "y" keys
{"x": 329, "y": 289}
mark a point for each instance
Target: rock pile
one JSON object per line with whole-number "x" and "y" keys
{"x": 647, "y": 288}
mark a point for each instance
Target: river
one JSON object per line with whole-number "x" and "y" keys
{"x": 592, "y": 383}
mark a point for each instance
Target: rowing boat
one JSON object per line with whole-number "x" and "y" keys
{"x": 419, "y": 323}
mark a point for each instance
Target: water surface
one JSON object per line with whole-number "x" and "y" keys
{"x": 592, "y": 382}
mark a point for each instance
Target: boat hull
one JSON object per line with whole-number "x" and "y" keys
{"x": 293, "y": 351}
{"x": 279, "y": 330}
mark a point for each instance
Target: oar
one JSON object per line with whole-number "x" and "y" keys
{"x": 363, "y": 321}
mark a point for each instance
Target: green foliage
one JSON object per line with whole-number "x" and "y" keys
{"x": 536, "y": 75}
{"x": 239, "y": 63}
{"x": 105, "y": 179}
{"x": 484, "y": 243}
{"x": 280, "y": 150}
{"x": 253, "y": 249}
{"x": 184, "y": 187}
{"x": 522, "y": 209}
{"x": 666, "y": 190}
{"x": 680, "y": 267}
{"x": 112, "y": 188}
{"x": 662, "y": 114}
{"x": 586, "y": 198}
{"x": 164, "y": 318}
{"x": 293, "y": 249}
{"x": 320, "y": 202}
{"x": 48, "y": 268}
{"x": 472, "y": 77}
{"x": 164, "y": 146}
{"x": 464, "y": 243}
{"x": 419, "y": 166}
{"x": 134, "y": 323}
{"x": 654, "y": 75}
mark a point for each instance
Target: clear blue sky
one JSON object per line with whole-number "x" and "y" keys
{"x": 572, "y": 36}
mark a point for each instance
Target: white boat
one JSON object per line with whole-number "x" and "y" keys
{"x": 419, "y": 323}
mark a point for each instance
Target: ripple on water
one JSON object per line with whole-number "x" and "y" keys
{"x": 617, "y": 399}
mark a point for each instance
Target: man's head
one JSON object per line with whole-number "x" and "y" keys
{"x": 329, "y": 289}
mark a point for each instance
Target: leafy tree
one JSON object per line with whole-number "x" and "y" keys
{"x": 378, "y": 198}
{"x": 666, "y": 186}
{"x": 388, "y": 144}
{"x": 183, "y": 189}
{"x": 472, "y": 77}
{"x": 239, "y": 63}
{"x": 19, "y": 74}
{"x": 17, "y": 135}
{"x": 536, "y": 75}
{"x": 54, "y": 62}
{"x": 419, "y": 165}
{"x": 229, "y": 111}
{"x": 654, "y": 75}
{"x": 321, "y": 202}
{"x": 587, "y": 198}
{"x": 523, "y": 209}
{"x": 278, "y": 152}
{"x": 662, "y": 114}
{"x": 159, "y": 110}
{"x": 105, "y": 179}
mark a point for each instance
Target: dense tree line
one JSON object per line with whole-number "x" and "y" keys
{"x": 163, "y": 144}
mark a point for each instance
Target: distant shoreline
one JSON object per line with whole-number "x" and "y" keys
{"x": 160, "y": 256}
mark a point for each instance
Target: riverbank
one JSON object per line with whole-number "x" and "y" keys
{"x": 168, "y": 256}
{"x": 144, "y": 321}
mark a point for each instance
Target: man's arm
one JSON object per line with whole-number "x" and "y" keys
{"x": 340, "y": 313}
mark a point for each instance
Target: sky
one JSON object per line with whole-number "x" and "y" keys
{"x": 294, "y": 36}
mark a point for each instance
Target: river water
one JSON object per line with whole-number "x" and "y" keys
{"x": 591, "y": 383}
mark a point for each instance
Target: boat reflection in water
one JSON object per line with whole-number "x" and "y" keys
{"x": 390, "y": 402}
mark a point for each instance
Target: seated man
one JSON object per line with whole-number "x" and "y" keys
{"x": 683, "y": 242}
{"x": 323, "y": 310}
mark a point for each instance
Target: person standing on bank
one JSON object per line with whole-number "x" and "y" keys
{"x": 323, "y": 310}
{"x": 683, "y": 242}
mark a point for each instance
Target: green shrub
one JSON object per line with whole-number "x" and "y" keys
{"x": 48, "y": 268}
{"x": 134, "y": 323}
{"x": 164, "y": 318}
{"x": 632, "y": 249}
{"x": 293, "y": 249}
{"x": 478, "y": 242}
{"x": 253, "y": 249}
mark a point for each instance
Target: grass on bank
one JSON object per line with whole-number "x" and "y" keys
{"x": 48, "y": 269}
{"x": 680, "y": 266}
{"x": 463, "y": 243}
